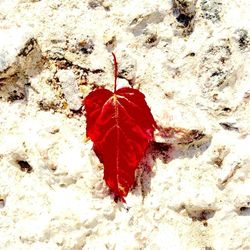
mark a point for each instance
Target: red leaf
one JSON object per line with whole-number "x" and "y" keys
{"x": 121, "y": 127}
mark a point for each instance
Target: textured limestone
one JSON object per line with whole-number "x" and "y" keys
{"x": 190, "y": 59}
{"x": 16, "y": 42}
{"x": 70, "y": 88}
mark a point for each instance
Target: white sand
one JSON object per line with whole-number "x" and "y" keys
{"x": 190, "y": 59}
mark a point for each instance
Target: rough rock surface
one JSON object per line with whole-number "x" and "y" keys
{"x": 190, "y": 58}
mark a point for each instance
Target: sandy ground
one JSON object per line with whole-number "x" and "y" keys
{"x": 191, "y": 60}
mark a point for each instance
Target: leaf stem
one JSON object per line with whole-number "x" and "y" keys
{"x": 115, "y": 70}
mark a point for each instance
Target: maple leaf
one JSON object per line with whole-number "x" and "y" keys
{"x": 121, "y": 127}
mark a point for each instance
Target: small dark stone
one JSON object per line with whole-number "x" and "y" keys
{"x": 228, "y": 126}
{"x": 14, "y": 96}
{"x": 2, "y": 203}
{"x": 184, "y": 19}
{"x": 94, "y": 4}
{"x": 243, "y": 39}
{"x": 208, "y": 248}
{"x": 205, "y": 224}
{"x": 226, "y": 109}
{"x": 29, "y": 46}
{"x": 242, "y": 209}
{"x": 151, "y": 39}
{"x": 191, "y": 54}
{"x": 86, "y": 46}
{"x": 217, "y": 73}
{"x": 111, "y": 43}
{"x": 87, "y": 50}
{"x": 25, "y": 166}
{"x": 97, "y": 71}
